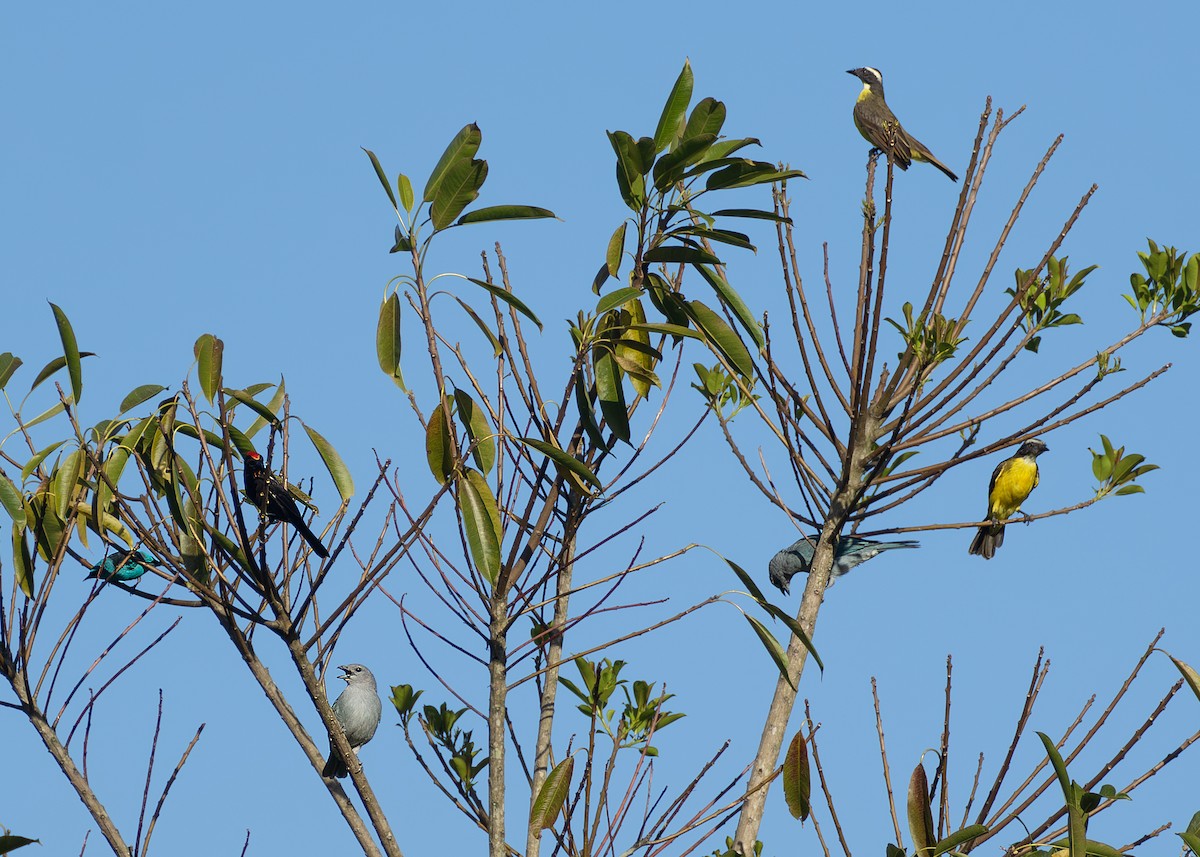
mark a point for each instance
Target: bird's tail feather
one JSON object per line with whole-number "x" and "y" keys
{"x": 311, "y": 537}
{"x": 945, "y": 169}
{"x": 987, "y": 539}
{"x": 334, "y": 766}
{"x": 903, "y": 543}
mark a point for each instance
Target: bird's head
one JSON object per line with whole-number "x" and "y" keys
{"x": 1032, "y": 448}
{"x": 253, "y": 460}
{"x": 871, "y": 77}
{"x": 356, "y": 673}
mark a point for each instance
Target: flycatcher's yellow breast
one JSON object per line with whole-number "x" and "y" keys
{"x": 865, "y": 94}
{"x": 1014, "y": 480}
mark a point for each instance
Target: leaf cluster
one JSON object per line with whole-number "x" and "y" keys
{"x": 1041, "y": 298}
{"x": 1169, "y": 290}
{"x": 1116, "y": 470}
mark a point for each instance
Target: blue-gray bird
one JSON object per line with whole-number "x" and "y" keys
{"x": 358, "y": 709}
{"x": 851, "y": 551}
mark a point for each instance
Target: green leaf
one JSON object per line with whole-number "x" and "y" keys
{"x": 634, "y": 352}
{"x": 669, "y": 329}
{"x": 70, "y": 351}
{"x": 708, "y": 116}
{"x": 747, "y": 173}
{"x": 752, "y": 213}
{"x": 725, "y": 148}
{"x": 552, "y": 795}
{"x": 957, "y": 838}
{"x": 723, "y": 236}
{"x": 458, "y": 188}
{"x": 506, "y": 212}
{"x": 33, "y": 463}
{"x": 735, "y": 303}
{"x": 611, "y": 394}
{"x": 52, "y": 367}
{"x": 796, "y": 778}
{"x": 273, "y": 407}
{"x": 584, "y": 399}
{"x": 772, "y": 646}
{"x": 481, "y": 520}
{"x": 616, "y": 299}
{"x": 209, "y": 351}
{"x": 564, "y": 460}
{"x": 387, "y": 339}
{"x": 403, "y": 242}
{"x": 747, "y": 581}
{"x": 920, "y": 814}
{"x": 8, "y": 842}
{"x": 1191, "y": 840}
{"x": 8, "y": 365}
{"x": 22, "y": 561}
{"x": 721, "y": 336}
{"x": 66, "y": 477}
{"x": 478, "y": 430}
{"x": 47, "y": 525}
{"x": 1090, "y": 848}
{"x": 52, "y": 411}
{"x": 190, "y": 549}
{"x": 497, "y": 349}
{"x": 404, "y": 698}
{"x": 406, "y": 191}
{"x": 674, "y": 109}
{"x": 462, "y": 148}
{"x": 11, "y": 500}
{"x": 383, "y": 179}
{"x": 679, "y": 253}
{"x": 439, "y": 446}
{"x": 229, "y": 547}
{"x": 333, "y": 463}
{"x": 139, "y": 395}
{"x": 797, "y": 631}
{"x": 1056, "y": 761}
{"x": 670, "y": 168}
{"x": 242, "y": 397}
{"x": 1076, "y": 818}
{"x": 1190, "y": 676}
{"x": 616, "y": 249}
{"x": 510, "y": 299}
{"x": 630, "y": 170}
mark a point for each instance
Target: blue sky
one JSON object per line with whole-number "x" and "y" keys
{"x": 173, "y": 171}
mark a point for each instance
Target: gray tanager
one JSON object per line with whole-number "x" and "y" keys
{"x": 358, "y": 709}
{"x": 851, "y": 551}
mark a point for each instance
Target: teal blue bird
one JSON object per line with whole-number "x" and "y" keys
{"x": 124, "y": 566}
{"x": 851, "y": 551}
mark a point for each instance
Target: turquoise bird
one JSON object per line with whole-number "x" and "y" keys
{"x": 851, "y": 551}
{"x": 123, "y": 566}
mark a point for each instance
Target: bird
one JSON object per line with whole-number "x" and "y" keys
{"x": 275, "y": 503}
{"x": 851, "y": 551}
{"x": 123, "y": 566}
{"x": 1012, "y": 481}
{"x": 879, "y": 125}
{"x": 358, "y": 709}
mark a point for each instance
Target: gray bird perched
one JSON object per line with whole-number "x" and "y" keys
{"x": 358, "y": 709}
{"x": 851, "y": 551}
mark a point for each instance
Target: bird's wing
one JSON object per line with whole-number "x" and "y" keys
{"x": 1000, "y": 468}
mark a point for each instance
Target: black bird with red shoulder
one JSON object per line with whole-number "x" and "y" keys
{"x": 275, "y": 503}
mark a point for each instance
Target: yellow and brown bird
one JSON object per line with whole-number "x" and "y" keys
{"x": 1012, "y": 481}
{"x": 879, "y": 125}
